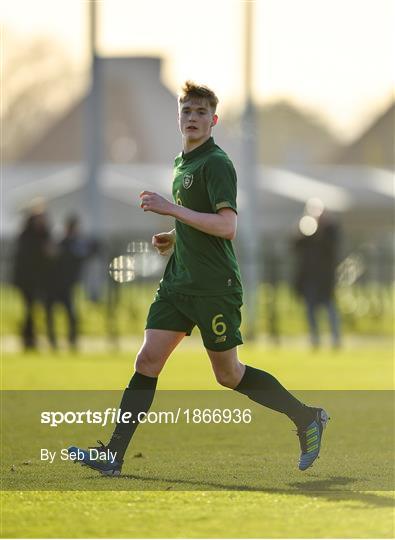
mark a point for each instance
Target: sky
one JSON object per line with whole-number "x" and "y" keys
{"x": 336, "y": 58}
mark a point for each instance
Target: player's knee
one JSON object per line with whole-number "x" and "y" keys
{"x": 147, "y": 365}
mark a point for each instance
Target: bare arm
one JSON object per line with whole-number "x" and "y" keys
{"x": 222, "y": 224}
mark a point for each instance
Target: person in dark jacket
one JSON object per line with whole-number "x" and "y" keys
{"x": 33, "y": 264}
{"x": 316, "y": 260}
{"x": 72, "y": 251}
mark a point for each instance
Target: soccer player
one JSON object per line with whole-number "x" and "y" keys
{"x": 201, "y": 286}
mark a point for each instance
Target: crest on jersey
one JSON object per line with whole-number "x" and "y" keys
{"x": 187, "y": 180}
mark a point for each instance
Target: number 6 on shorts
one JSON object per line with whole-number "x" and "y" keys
{"x": 218, "y": 327}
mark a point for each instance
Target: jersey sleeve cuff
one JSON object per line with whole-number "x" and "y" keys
{"x": 225, "y": 204}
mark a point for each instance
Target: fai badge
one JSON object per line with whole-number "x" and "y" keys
{"x": 187, "y": 180}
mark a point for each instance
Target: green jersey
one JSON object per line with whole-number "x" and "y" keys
{"x": 202, "y": 264}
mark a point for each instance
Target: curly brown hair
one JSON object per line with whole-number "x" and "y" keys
{"x": 192, "y": 90}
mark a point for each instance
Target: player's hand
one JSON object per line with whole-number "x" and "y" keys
{"x": 152, "y": 202}
{"x": 163, "y": 242}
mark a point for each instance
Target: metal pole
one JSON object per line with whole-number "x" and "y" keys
{"x": 93, "y": 141}
{"x": 91, "y": 195}
{"x": 250, "y": 215}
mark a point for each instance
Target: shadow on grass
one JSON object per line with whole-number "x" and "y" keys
{"x": 334, "y": 488}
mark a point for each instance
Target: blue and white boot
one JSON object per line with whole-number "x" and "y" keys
{"x": 310, "y": 439}
{"x": 105, "y": 463}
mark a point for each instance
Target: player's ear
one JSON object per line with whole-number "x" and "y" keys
{"x": 215, "y": 120}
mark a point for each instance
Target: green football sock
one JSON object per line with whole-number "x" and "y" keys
{"x": 266, "y": 390}
{"x": 137, "y": 398}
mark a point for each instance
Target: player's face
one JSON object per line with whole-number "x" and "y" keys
{"x": 196, "y": 119}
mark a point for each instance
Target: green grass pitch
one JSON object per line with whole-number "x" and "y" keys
{"x": 253, "y": 505}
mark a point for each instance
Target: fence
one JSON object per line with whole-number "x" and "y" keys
{"x": 107, "y": 308}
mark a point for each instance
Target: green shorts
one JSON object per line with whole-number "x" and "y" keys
{"x": 217, "y": 317}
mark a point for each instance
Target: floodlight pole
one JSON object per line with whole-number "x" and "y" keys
{"x": 93, "y": 140}
{"x": 250, "y": 216}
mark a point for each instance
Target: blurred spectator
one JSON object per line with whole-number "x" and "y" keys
{"x": 33, "y": 266}
{"x": 315, "y": 248}
{"x": 72, "y": 251}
